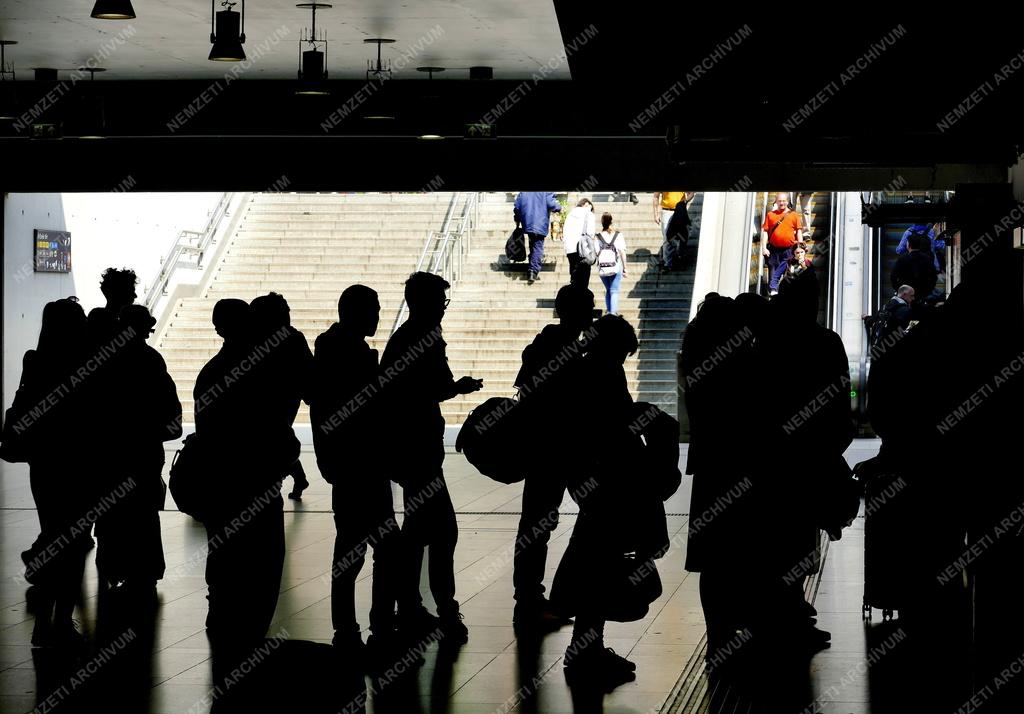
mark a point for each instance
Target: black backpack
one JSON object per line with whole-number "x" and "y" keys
{"x": 491, "y": 437}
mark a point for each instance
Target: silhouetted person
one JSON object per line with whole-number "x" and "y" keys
{"x": 418, "y": 379}
{"x": 130, "y": 550}
{"x": 717, "y": 358}
{"x": 292, "y": 360}
{"x": 549, "y": 388}
{"x": 118, "y": 288}
{"x": 243, "y": 420}
{"x": 916, "y": 268}
{"x": 49, "y": 415}
{"x": 952, "y": 447}
{"x": 602, "y": 481}
{"x": 809, "y": 417}
{"x": 349, "y": 437}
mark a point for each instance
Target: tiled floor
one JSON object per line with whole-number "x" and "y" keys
{"x": 490, "y": 673}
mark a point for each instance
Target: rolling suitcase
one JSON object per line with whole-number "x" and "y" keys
{"x": 884, "y": 538}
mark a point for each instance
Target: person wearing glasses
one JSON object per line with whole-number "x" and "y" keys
{"x": 416, "y": 379}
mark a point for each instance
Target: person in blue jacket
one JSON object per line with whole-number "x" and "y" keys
{"x": 938, "y": 243}
{"x": 531, "y": 212}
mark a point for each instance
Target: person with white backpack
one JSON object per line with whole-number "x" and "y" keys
{"x": 611, "y": 262}
{"x": 578, "y": 239}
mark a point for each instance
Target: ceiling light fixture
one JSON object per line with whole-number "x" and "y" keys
{"x": 381, "y": 70}
{"x": 90, "y": 120}
{"x": 313, "y": 61}
{"x": 227, "y": 32}
{"x": 430, "y": 129}
{"x": 113, "y": 10}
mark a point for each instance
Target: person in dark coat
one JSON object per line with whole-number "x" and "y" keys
{"x": 417, "y": 379}
{"x": 130, "y": 551}
{"x": 715, "y": 363}
{"x": 916, "y": 268}
{"x": 549, "y": 389}
{"x": 243, "y": 415}
{"x": 292, "y": 360}
{"x": 811, "y": 416}
{"x": 348, "y": 424}
{"x": 612, "y": 522}
{"x": 46, "y": 423}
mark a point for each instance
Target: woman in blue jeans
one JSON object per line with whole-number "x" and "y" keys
{"x": 611, "y": 261}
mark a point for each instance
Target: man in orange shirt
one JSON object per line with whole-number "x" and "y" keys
{"x": 780, "y": 232}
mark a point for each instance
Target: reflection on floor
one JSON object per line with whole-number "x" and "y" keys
{"x": 162, "y": 661}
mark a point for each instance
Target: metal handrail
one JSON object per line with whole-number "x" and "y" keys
{"x": 444, "y": 251}
{"x": 183, "y": 245}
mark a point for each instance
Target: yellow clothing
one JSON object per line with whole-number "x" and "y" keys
{"x": 669, "y": 199}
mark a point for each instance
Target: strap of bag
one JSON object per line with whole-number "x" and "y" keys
{"x": 781, "y": 219}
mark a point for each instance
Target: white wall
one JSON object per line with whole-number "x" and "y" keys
{"x": 107, "y": 230}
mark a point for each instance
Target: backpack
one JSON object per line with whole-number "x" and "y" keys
{"x": 491, "y": 437}
{"x": 587, "y": 248}
{"x": 607, "y": 256}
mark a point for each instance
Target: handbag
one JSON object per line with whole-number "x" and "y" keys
{"x": 188, "y": 478}
{"x": 515, "y": 246}
{"x": 616, "y": 586}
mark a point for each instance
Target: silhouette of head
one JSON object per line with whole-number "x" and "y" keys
{"x": 612, "y": 339}
{"x": 917, "y": 241}
{"x": 102, "y": 323}
{"x": 425, "y": 296}
{"x": 118, "y": 287}
{"x": 797, "y": 298}
{"x": 753, "y": 310}
{"x": 575, "y": 307}
{"x": 606, "y": 221}
{"x": 585, "y": 202}
{"x": 270, "y": 313}
{"x": 715, "y": 327}
{"x": 137, "y": 319}
{"x": 359, "y": 310}
{"x": 232, "y": 319}
{"x": 799, "y": 252}
{"x": 63, "y": 326}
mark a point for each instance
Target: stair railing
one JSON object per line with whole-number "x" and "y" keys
{"x": 444, "y": 251}
{"x": 188, "y": 245}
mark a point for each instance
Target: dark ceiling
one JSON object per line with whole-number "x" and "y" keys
{"x": 825, "y": 102}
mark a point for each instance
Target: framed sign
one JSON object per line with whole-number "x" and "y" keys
{"x": 52, "y": 251}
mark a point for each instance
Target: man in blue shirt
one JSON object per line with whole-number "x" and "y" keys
{"x": 531, "y": 212}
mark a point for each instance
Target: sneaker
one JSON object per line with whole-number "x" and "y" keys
{"x": 598, "y": 667}
{"x": 418, "y": 624}
{"x": 63, "y": 635}
{"x": 617, "y": 662}
{"x": 453, "y": 629}
{"x": 529, "y": 277}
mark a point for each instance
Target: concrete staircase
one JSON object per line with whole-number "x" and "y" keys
{"x": 495, "y": 313}
{"x": 310, "y": 247}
